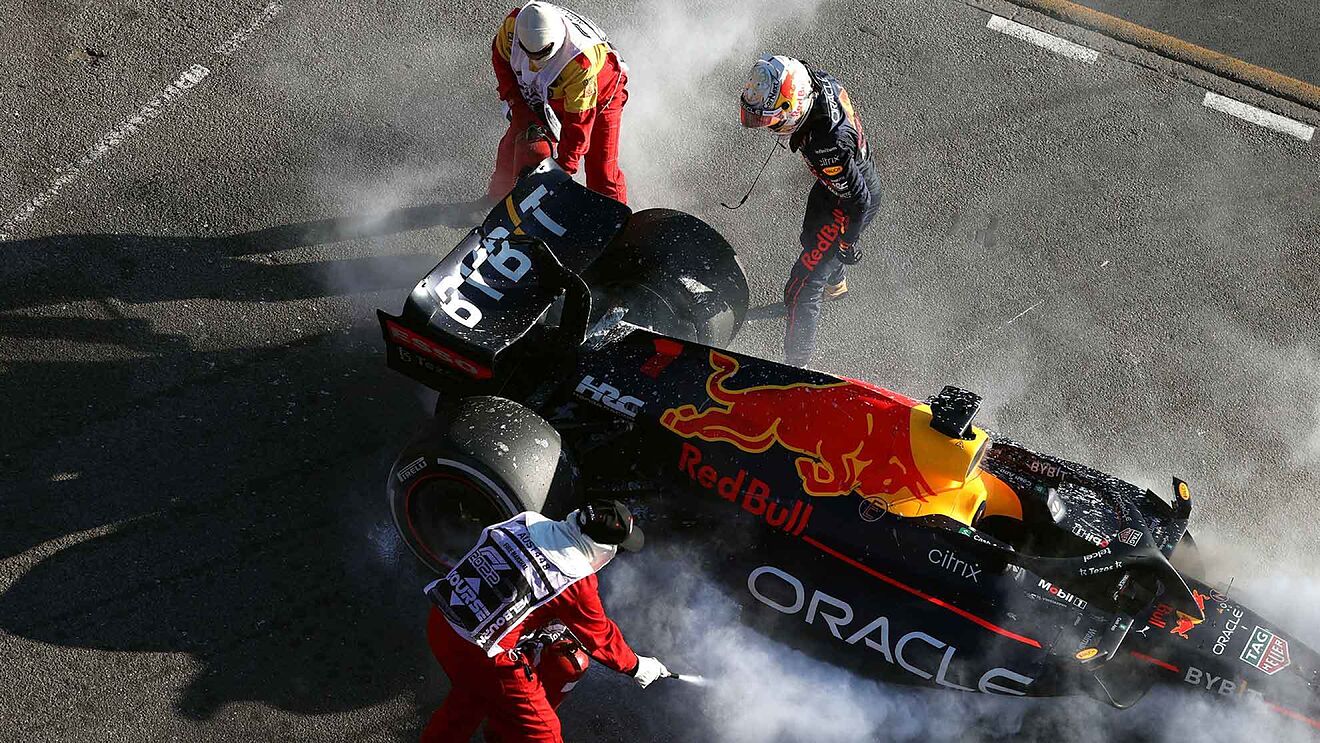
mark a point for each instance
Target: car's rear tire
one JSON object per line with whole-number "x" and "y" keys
{"x": 485, "y": 460}
{"x": 674, "y": 273}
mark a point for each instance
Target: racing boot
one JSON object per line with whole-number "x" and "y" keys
{"x": 836, "y": 291}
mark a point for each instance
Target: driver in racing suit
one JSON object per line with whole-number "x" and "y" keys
{"x": 563, "y": 81}
{"x": 813, "y": 112}
{"x": 508, "y": 603}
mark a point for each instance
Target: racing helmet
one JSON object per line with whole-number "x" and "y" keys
{"x": 778, "y": 94}
{"x": 539, "y": 29}
{"x": 610, "y": 522}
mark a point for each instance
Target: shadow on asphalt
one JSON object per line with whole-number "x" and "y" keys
{"x": 113, "y": 270}
{"x": 138, "y": 269}
{"x": 776, "y": 311}
{"x": 226, "y": 504}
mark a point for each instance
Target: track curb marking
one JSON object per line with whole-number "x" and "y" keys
{"x": 1234, "y": 69}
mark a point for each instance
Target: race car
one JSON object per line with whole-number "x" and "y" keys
{"x": 579, "y": 351}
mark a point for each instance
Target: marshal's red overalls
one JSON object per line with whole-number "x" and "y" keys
{"x": 588, "y": 99}
{"x": 508, "y": 690}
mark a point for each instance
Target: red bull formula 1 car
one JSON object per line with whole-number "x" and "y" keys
{"x": 577, "y": 350}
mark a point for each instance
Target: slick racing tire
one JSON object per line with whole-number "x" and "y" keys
{"x": 675, "y": 274}
{"x": 485, "y": 460}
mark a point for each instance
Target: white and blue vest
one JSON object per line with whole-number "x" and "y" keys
{"x": 500, "y": 581}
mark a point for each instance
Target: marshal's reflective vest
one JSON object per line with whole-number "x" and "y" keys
{"x": 497, "y": 584}
{"x": 535, "y": 85}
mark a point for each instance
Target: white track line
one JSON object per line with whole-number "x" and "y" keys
{"x": 149, "y": 111}
{"x": 1040, "y": 38}
{"x": 240, "y": 37}
{"x": 1258, "y": 116}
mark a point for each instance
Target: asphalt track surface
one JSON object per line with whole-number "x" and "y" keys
{"x": 1281, "y": 35}
{"x": 197, "y": 421}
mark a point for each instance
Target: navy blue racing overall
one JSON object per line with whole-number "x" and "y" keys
{"x": 843, "y": 201}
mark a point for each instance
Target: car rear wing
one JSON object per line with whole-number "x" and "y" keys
{"x": 502, "y": 279}
{"x": 576, "y": 223}
{"x": 468, "y": 344}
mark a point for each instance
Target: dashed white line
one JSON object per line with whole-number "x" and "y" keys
{"x": 1002, "y": 326}
{"x": 149, "y": 111}
{"x": 240, "y": 37}
{"x": 1042, "y": 39}
{"x": 1258, "y": 116}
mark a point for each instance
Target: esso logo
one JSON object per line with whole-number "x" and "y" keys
{"x": 426, "y": 347}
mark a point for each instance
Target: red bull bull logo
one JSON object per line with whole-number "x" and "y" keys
{"x": 1183, "y": 622}
{"x": 849, "y": 438}
{"x": 1186, "y": 622}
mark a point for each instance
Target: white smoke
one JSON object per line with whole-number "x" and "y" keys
{"x": 687, "y": 60}
{"x": 760, "y": 689}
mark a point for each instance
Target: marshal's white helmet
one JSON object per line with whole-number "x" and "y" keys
{"x": 540, "y": 29}
{"x": 778, "y": 94}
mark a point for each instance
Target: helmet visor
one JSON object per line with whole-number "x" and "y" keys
{"x": 759, "y": 118}
{"x": 764, "y": 101}
{"x": 540, "y": 55}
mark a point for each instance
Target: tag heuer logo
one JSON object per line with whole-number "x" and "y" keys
{"x": 1130, "y": 537}
{"x": 1266, "y": 651}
